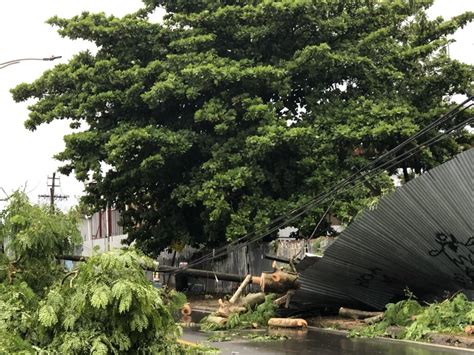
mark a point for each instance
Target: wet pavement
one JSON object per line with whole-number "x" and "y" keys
{"x": 317, "y": 341}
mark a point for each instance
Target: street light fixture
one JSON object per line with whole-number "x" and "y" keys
{"x": 16, "y": 61}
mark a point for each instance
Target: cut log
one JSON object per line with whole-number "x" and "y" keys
{"x": 287, "y": 323}
{"x": 356, "y": 314}
{"x": 374, "y": 319}
{"x": 252, "y": 299}
{"x": 220, "y": 321}
{"x": 186, "y": 310}
{"x": 242, "y": 286}
{"x": 226, "y": 308}
{"x": 293, "y": 333}
{"x": 249, "y": 301}
{"x": 256, "y": 280}
{"x": 278, "y": 282}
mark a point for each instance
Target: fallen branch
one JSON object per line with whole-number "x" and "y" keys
{"x": 374, "y": 319}
{"x": 220, "y": 321}
{"x": 357, "y": 314}
{"x": 242, "y": 286}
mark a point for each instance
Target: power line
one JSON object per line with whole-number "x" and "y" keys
{"x": 370, "y": 168}
{"x": 360, "y": 182}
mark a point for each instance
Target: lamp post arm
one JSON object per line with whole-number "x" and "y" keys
{"x": 16, "y": 61}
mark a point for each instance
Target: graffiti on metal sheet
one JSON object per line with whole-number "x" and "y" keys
{"x": 374, "y": 274}
{"x": 459, "y": 253}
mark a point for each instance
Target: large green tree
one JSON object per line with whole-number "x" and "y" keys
{"x": 206, "y": 126}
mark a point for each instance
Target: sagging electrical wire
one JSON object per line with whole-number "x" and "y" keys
{"x": 370, "y": 169}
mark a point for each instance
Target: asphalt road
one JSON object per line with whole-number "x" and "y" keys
{"x": 321, "y": 342}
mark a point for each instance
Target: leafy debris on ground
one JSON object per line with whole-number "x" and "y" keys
{"x": 409, "y": 320}
{"x": 253, "y": 318}
{"x": 265, "y": 337}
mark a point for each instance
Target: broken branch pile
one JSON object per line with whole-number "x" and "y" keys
{"x": 255, "y": 309}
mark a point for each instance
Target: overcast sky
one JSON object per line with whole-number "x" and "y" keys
{"x": 26, "y": 157}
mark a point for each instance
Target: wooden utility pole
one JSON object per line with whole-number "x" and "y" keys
{"x": 52, "y": 196}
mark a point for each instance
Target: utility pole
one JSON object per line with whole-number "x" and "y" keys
{"x": 52, "y": 196}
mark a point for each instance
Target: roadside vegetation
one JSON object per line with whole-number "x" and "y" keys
{"x": 105, "y": 305}
{"x": 409, "y": 319}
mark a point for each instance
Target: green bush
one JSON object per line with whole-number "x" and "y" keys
{"x": 417, "y": 322}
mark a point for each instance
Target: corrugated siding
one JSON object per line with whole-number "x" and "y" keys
{"x": 420, "y": 237}
{"x": 99, "y": 224}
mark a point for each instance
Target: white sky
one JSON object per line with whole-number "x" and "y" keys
{"x": 27, "y": 156}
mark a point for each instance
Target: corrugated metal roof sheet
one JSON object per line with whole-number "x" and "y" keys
{"x": 420, "y": 237}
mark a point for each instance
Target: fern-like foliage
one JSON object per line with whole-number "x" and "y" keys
{"x": 104, "y": 306}
{"x": 109, "y": 307}
{"x": 32, "y": 237}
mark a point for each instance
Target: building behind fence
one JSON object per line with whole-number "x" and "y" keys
{"x": 102, "y": 231}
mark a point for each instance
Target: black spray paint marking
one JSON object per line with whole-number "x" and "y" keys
{"x": 460, "y": 254}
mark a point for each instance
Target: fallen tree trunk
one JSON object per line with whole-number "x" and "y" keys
{"x": 357, "y": 314}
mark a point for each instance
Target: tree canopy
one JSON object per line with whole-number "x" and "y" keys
{"x": 209, "y": 124}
